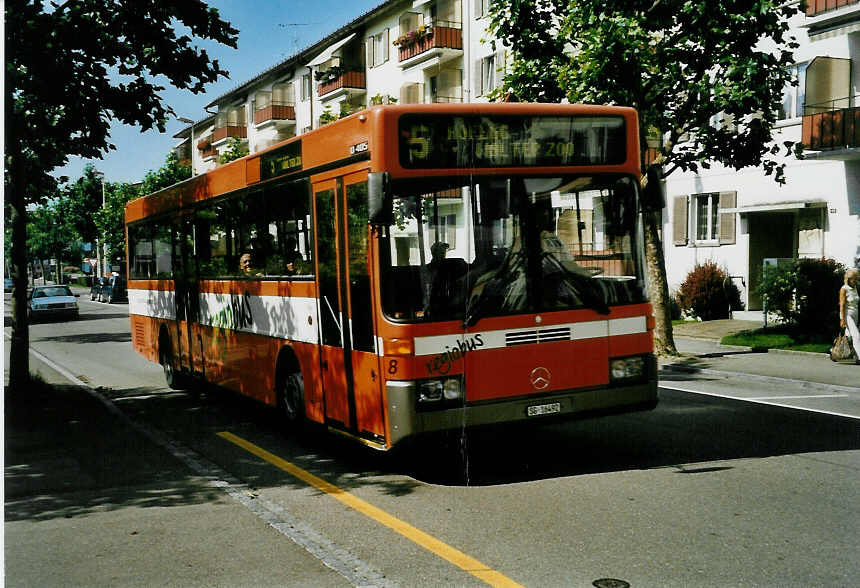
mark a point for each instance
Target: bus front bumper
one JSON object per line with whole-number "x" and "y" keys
{"x": 405, "y": 421}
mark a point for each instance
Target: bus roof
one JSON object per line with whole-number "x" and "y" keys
{"x": 373, "y": 135}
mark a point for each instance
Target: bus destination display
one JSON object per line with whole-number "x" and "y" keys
{"x": 281, "y": 161}
{"x": 439, "y": 141}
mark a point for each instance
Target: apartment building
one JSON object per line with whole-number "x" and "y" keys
{"x": 414, "y": 51}
{"x": 402, "y": 51}
{"x": 743, "y": 219}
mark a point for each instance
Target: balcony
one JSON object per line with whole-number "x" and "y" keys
{"x": 833, "y": 129}
{"x": 443, "y": 40}
{"x": 274, "y": 113}
{"x": 819, "y": 7}
{"x": 206, "y": 148}
{"x": 221, "y": 134}
{"x": 339, "y": 83}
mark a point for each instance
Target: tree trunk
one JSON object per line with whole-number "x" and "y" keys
{"x": 664, "y": 342}
{"x": 19, "y": 359}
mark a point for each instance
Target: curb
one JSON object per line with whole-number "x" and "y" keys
{"x": 757, "y": 349}
{"x": 772, "y": 379}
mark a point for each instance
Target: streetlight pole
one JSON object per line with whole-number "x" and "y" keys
{"x": 100, "y": 271}
{"x": 188, "y": 121}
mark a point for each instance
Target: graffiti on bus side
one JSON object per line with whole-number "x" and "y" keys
{"x": 236, "y": 313}
{"x": 442, "y": 362}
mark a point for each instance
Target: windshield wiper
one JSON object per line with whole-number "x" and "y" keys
{"x": 582, "y": 285}
{"x": 493, "y": 289}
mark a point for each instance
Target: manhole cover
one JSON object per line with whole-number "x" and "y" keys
{"x": 610, "y": 583}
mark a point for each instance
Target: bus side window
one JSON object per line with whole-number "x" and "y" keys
{"x": 141, "y": 262}
{"x": 289, "y": 230}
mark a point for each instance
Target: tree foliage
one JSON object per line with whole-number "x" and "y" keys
{"x": 236, "y": 149}
{"x": 172, "y": 172}
{"x": 49, "y": 232}
{"x": 72, "y": 68}
{"x": 708, "y": 76}
{"x": 684, "y": 64}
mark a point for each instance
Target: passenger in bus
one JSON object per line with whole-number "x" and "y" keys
{"x": 292, "y": 259}
{"x": 246, "y": 265}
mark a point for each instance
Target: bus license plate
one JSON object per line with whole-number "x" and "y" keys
{"x": 541, "y": 409}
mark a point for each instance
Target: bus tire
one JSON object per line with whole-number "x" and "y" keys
{"x": 290, "y": 391}
{"x": 165, "y": 358}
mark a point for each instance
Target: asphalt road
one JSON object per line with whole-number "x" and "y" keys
{"x": 702, "y": 491}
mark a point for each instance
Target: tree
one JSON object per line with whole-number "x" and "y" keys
{"x": 684, "y": 64}
{"x": 236, "y": 149}
{"x": 110, "y": 219}
{"x": 168, "y": 174}
{"x": 49, "y": 234}
{"x": 72, "y": 69}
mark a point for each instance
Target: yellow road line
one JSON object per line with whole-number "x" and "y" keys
{"x": 428, "y": 542}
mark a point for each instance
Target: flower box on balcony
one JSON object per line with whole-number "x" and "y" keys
{"x": 437, "y": 37}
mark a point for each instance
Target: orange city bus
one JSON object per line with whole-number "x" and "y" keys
{"x": 409, "y": 269}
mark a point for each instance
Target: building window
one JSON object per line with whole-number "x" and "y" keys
{"x": 482, "y": 8}
{"x": 377, "y": 49}
{"x": 707, "y": 217}
{"x": 489, "y": 72}
{"x": 794, "y": 96}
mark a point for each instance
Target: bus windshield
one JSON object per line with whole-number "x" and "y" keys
{"x": 497, "y": 245}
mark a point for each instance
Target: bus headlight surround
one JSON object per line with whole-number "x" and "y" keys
{"x": 627, "y": 368}
{"x": 437, "y": 393}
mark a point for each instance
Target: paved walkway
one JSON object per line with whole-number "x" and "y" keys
{"x": 700, "y": 351}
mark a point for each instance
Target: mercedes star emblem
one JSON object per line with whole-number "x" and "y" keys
{"x": 540, "y": 377}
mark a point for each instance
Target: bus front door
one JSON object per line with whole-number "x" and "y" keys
{"x": 350, "y": 366}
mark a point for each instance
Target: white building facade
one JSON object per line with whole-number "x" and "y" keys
{"x": 423, "y": 51}
{"x": 743, "y": 219}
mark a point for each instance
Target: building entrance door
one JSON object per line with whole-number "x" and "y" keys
{"x": 772, "y": 234}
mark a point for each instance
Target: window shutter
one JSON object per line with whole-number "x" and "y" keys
{"x": 680, "y": 222}
{"x": 368, "y": 48}
{"x": 500, "y": 67}
{"x": 385, "y": 46}
{"x": 478, "y": 71}
{"x": 728, "y": 227}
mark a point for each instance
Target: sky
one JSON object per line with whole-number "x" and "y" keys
{"x": 270, "y": 31}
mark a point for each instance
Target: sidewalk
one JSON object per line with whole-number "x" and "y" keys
{"x": 701, "y": 352}
{"x": 91, "y": 501}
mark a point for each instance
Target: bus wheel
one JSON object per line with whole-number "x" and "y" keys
{"x": 165, "y": 358}
{"x": 291, "y": 397}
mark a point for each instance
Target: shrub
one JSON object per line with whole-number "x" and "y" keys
{"x": 708, "y": 293}
{"x": 806, "y": 293}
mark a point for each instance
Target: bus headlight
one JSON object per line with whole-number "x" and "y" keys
{"x": 627, "y": 368}
{"x": 440, "y": 392}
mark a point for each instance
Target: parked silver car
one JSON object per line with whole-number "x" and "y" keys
{"x": 52, "y": 302}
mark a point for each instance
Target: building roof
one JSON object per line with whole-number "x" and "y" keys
{"x": 308, "y": 52}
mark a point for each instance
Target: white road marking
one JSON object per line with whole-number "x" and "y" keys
{"x": 759, "y": 401}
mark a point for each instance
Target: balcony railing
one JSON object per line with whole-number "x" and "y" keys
{"x": 275, "y": 111}
{"x": 819, "y": 7}
{"x": 348, "y": 79}
{"x": 435, "y": 37}
{"x": 831, "y": 125}
{"x": 229, "y": 131}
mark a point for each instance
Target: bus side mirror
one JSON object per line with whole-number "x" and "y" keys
{"x": 380, "y": 204}
{"x": 654, "y": 193}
